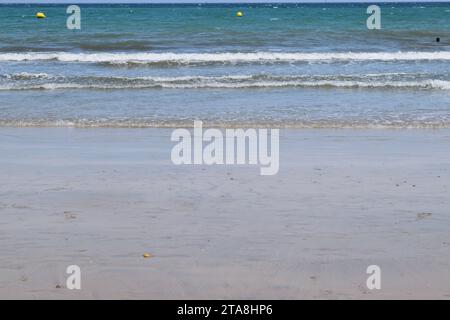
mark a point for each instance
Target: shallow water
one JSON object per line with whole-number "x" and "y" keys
{"x": 279, "y": 65}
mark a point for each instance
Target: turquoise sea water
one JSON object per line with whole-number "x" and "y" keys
{"x": 291, "y": 65}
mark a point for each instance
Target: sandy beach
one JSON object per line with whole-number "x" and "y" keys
{"x": 342, "y": 200}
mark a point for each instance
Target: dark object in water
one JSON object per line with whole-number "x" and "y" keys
{"x": 438, "y": 39}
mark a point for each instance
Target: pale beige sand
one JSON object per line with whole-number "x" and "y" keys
{"x": 343, "y": 200}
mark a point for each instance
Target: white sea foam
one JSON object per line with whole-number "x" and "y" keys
{"x": 228, "y": 82}
{"x": 161, "y": 123}
{"x": 44, "y": 81}
{"x": 26, "y": 76}
{"x": 226, "y": 57}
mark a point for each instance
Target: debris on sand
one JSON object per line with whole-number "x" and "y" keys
{"x": 69, "y": 215}
{"x": 423, "y": 215}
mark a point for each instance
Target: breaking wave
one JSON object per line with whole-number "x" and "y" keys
{"x": 43, "y": 81}
{"x": 224, "y": 57}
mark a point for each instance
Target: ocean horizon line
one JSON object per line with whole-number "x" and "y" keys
{"x": 364, "y": 2}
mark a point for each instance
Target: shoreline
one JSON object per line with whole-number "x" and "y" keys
{"x": 210, "y": 125}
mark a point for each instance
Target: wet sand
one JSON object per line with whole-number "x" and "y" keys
{"x": 342, "y": 200}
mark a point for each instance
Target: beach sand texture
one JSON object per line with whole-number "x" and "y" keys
{"x": 342, "y": 200}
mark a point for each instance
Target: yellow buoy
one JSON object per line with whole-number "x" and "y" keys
{"x": 40, "y": 15}
{"x": 239, "y": 14}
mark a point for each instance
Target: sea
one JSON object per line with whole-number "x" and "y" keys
{"x": 278, "y": 65}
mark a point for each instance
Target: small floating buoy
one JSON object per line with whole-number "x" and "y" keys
{"x": 239, "y": 14}
{"x": 40, "y": 15}
{"x": 147, "y": 255}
